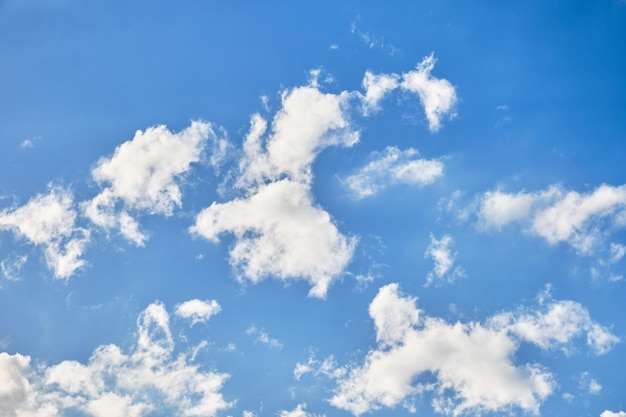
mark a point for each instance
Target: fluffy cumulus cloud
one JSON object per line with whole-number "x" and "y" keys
{"x": 440, "y": 251}
{"x": 581, "y": 220}
{"x": 143, "y": 174}
{"x": 467, "y": 367}
{"x": 280, "y": 233}
{"x": 437, "y": 95}
{"x": 608, "y": 413}
{"x": 149, "y": 379}
{"x": 393, "y": 166}
{"x": 279, "y": 230}
{"x": 49, "y": 221}
{"x": 556, "y": 325}
{"x": 198, "y": 311}
{"x": 376, "y": 88}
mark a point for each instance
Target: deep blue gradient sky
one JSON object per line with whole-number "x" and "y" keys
{"x": 433, "y": 221}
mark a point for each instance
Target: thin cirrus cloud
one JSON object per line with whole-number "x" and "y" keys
{"x": 444, "y": 270}
{"x": 412, "y": 345}
{"x": 113, "y": 383}
{"x": 49, "y": 221}
{"x": 584, "y": 221}
{"x": 390, "y": 167}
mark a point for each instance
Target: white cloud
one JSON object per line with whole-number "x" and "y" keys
{"x": 608, "y": 413}
{"x": 472, "y": 363}
{"x": 438, "y": 96}
{"x": 581, "y": 220}
{"x": 307, "y": 122}
{"x": 440, "y": 252}
{"x": 393, "y": 166}
{"x": 115, "y": 384}
{"x": 11, "y": 268}
{"x": 143, "y": 174}
{"x": 556, "y": 325}
{"x": 279, "y": 231}
{"x": 280, "y": 234}
{"x": 376, "y": 87}
{"x": 263, "y": 337}
{"x": 616, "y": 252}
{"x": 198, "y": 311}
{"x": 328, "y": 367}
{"x": 50, "y": 221}
{"x": 27, "y": 144}
{"x": 299, "y": 411}
{"x": 594, "y": 387}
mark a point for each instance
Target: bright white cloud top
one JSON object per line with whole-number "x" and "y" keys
{"x": 203, "y": 217}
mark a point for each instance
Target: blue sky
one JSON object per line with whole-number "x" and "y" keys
{"x": 312, "y": 209}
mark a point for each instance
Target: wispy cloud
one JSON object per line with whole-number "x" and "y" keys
{"x": 263, "y": 337}
{"x": 50, "y": 221}
{"x": 280, "y": 231}
{"x": 393, "y": 166}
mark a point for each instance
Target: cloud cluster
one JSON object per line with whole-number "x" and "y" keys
{"x": 393, "y": 166}
{"x": 581, "y": 220}
{"x": 150, "y": 378}
{"x": 50, "y": 221}
{"x": 437, "y": 95}
{"x": 440, "y": 251}
{"x": 143, "y": 175}
{"x": 279, "y": 231}
{"x": 466, "y": 367}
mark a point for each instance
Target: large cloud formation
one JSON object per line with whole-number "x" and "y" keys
{"x": 279, "y": 230}
{"x": 149, "y": 379}
{"x": 472, "y": 364}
